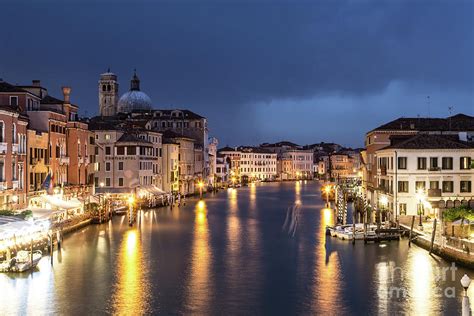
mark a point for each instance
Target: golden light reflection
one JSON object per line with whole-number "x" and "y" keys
{"x": 232, "y": 197}
{"x": 253, "y": 196}
{"x": 297, "y": 192}
{"x": 131, "y": 295}
{"x": 421, "y": 276}
{"x": 327, "y": 282}
{"x": 199, "y": 286}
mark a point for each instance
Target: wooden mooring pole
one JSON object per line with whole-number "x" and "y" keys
{"x": 411, "y": 230}
{"x": 433, "y": 234}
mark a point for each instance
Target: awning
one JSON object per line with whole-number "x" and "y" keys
{"x": 59, "y": 203}
{"x": 152, "y": 189}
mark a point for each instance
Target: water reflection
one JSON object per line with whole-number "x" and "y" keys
{"x": 298, "y": 192}
{"x": 327, "y": 284}
{"x": 131, "y": 295}
{"x": 199, "y": 289}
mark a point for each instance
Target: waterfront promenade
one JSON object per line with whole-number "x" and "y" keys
{"x": 229, "y": 254}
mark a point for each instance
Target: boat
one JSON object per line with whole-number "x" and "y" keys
{"x": 24, "y": 261}
{"x": 346, "y": 232}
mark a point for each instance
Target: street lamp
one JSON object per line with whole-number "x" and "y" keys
{"x": 465, "y": 282}
{"x": 383, "y": 202}
{"x": 420, "y": 196}
{"x": 233, "y": 181}
{"x": 102, "y": 184}
{"x": 327, "y": 190}
{"x": 201, "y": 185}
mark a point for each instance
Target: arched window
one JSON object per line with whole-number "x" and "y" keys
{"x": 14, "y": 134}
{"x": 104, "y": 88}
{"x": 109, "y": 88}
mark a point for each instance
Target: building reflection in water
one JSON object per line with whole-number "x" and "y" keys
{"x": 298, "y": 192}
{"x": 253, "y": 196}
{"x": 131, "y": 295}
{"x": 327, "y": 284}
{"x": 199, "y": 289}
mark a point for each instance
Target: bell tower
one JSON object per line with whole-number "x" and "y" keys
{"x": 108, "y": 94}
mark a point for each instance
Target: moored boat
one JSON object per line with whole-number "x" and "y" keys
{"x": 24, "y": 261}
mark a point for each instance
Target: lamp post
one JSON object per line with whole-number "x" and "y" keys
{"x": 327, "y": 190}
{"x": 420, "y": 195}
{"x": 383, "y": 203}
{"x": 465, "y": 282}
{"x": 201, "y": 185}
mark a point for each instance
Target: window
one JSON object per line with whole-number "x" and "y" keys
{"x": 107, "y": 136}
{"x": 96, "y": 150}
{"x": 107, "y": 182}
{"x": 434, "y": 185}
{"x": 121, "y": 150}
{"x": 448, "y": 186}
{"x": 434, "y": 163}
{"x": 465, "y": 186}
{"x": 447, "y": 163}
{"x": 403, "y": 186}
{"x": 13, "y": 101}
{"x": 120, "y": 182}
{"x": 107, "y": 166}
{"x": 465, "y": 163}
{"x": 2, "y": 132}
{"x": 107, "y": 150}
{"x": 421, "y": 163}
{"x": 120, "y": 165}
{"x": 420, "y": 185}
{"x": 403, "y": 208}
{"x": 131, "y": 150}
{"x": 402, "y": 162}
{"x": 96, "y": 181}
{"x": 2, "y": 170}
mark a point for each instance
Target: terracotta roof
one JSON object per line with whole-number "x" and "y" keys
{"x": 427, "y": 141}
{"x": 458, "y": 122}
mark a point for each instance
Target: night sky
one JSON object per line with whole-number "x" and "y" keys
{"x": 305, "y": 72}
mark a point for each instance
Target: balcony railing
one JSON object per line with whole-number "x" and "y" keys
{"x": 3, "y": 148}
{"x": 15, "y": 184}
{"x": 64, "y": 160}
{"x": 434, "y": 192}
{"x": 86, "y": 160}
{"x": 383, "y": 170}
{"x": 15, "y": 148}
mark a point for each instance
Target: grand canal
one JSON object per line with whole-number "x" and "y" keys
{"x": 229, "y": 255}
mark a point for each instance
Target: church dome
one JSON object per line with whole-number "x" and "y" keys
{"x": 134, "y": 99}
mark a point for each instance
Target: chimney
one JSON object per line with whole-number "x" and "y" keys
{"x": 67, "y": 93}
{"x": 36, "y": 83}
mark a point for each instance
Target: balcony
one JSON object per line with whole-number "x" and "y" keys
{"x": 434, "y": 192}
{"x": 434, "y": 169}
{"x": 3, "y": 148}
{"x": 84, "y": 160}
{"x": 3, "y": 185}
{"x": 383, "y": 170}
{"x": 64, "y": 160}
{"x": 15, "y": 184}
{"x": 15, "y": 148}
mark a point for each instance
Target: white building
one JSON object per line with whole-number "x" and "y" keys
{"x": 415, "y": 173}
{"x": 257, "y": 163}
{"x": 300, "y": 163}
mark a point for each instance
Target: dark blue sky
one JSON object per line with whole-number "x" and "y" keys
{"x": 260, "y": 71}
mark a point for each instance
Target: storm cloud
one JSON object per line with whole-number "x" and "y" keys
{"x": 257, "y": 70}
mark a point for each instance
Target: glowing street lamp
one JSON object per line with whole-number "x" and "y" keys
{"x": 327, "y": 190}
{"x": 233, "y": 179}
{"x": 465, "y": 282}
{"x": 421, "y": 197}
{"x": 102, "y": 184}
{"x": 383, "y": 203}
{"x": 200, "y": 185}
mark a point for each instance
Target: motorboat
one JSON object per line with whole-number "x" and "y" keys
{"x": 347, "y": 232}
{"x": 24, "y": 261}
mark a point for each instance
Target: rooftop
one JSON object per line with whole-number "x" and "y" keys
{"x": 427, "y": 141}
{"x": 458, "y": 122}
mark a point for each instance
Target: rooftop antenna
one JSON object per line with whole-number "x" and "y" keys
{"x": 428, "y": 101}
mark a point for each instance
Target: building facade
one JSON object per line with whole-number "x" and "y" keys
{"x": 257, "y": 164}
{"x": 415, "y": 174}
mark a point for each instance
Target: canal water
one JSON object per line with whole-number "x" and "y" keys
{"x": 230, "y": 255}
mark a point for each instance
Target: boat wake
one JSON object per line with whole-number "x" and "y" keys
{"x": 291, "y": 220}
